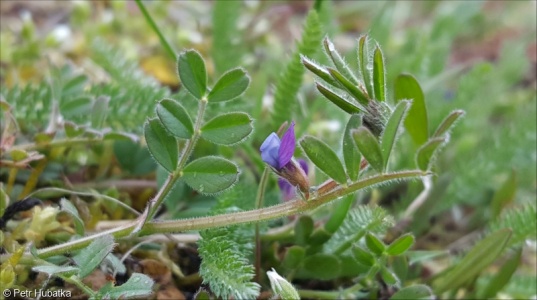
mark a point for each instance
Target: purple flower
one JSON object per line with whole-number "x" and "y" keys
{"x": 288, "y": 190}
{"x": 278, "y": 153}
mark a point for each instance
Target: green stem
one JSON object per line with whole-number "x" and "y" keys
{"x": 56, "y": 143}
{"x": 253, "y": 216}
{"x": 258, "y": 204}
{"x": 154, "y": 26}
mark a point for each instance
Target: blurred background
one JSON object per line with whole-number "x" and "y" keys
{"x": 478, "y": 56}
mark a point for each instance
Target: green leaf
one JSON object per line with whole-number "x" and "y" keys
{"x": 379, "y": 75}
{"x": 4, "y": 200}
{"x": 448, "y": 122}
{"x": 338, "y": 214}
{"x": 120, "y": 136}
{"x": 503, "y": 276}
{"x": 520, "y": 220}
{"x": 319, "y": 237}
{"x": 210, "y": 174}
{"x": 426, "y": 153}
{"x": 192, "y": 73}
{"x": 338, "y": 61}
{"x": 504, "y": 195}
{"x": 230, "y": 86}
{"x": 418, "y": 291}
{"x": 374, "y": 244}
{"x": 352, "y": 88}
{"x": 52, "y": 270}
{"x": 363, "y": 257}
{"x": 363, "y": 62}
{"x": 347, "y": 106}
{"x": 69, "y": 208}
{"x": 228, "y": 129}
{"x": 323, "y": 266}
{"x": 320, "y": 71}
{"x": 303, "y": 229}
{"x": 161, "y": 144}
{"x": 481, "y": 256}
{"x": 175, "y": 118}
{"x": 294, "y": 256}
{"x": 324, "y": 158}
{"x": 99, "y": 111}
{"x": 369, "y": 147}
{"x": 416, "y": 123}
{"x": 90, "y": 257}
{"x": 351, "y": 155}
{"x": 76, "y": 107}
{"x": 72, "y": 130}
{"x": 389, "y": 136}
{"x": 400, "y": 245}
{"x": 400, "y": 267}
{"x": 138, "y": 285}
{"x": 388, "y": 276}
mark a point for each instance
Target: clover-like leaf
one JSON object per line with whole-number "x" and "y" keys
{"x": 352, "y": 88}
{"x": 230, "y": 86}
{"x": 210, "y": 174}
{"x": 338, "y": 100}
{"x": 400, "y": 245}
{"x": 138, "y": 285}
{"x": 374, "y": 244}
{"x": 175, "y": 118}
{"x": 192, "y": 72}
{"x": 324, "y": 158}
{"x": 228, "y": 129}
{"x": 323, "y": 266}
{"x": 426, "y": 153}
{"x": 161, "y": 144}
{"x": 363, "y": 257}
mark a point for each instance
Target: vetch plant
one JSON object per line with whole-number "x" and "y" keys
{"x": 330, "y": 227}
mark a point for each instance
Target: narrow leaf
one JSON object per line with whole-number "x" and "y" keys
{"x": 481, "y": 256}
{"x": 338, "y": 61}
{"x": 68, "y": 207}
{"x": 389, "y": 136}
{"x": 374, "y": 244}
{"x": 51, "y": 270}
{"x": 363, "y": 257}
{"x": 138, "y": 285}
{"x": 379, "y": 75}
{"x": 338, "y": 214}
{"x": 448, "y": 122}
{"x": 210, "y": 174}
{"x": 99, "y": 111}
{"x": 351, "y": 155}
{"x": 418, "y": 291}
{"x": 192, "y": 73}
{"x": 175, "y": 118}
{"x": 320, "y": 71}
{"x": 426, "y": 153}
{"x": 161, "y": 144}
{"x": 230, "y": 86}
{"x": 324, "y": 158}
{"x": 353, "y": 89}
{"x": 502, "y": 277}
{"x": 303, "y": 230}
{"x": 228, "y": 129}
{"x": 369, "y": 147}
{"x": 89, "y": 258}
{"x": 323, "y": 266}
{"x": 504, "y": 195}
{"x": 388, "y": 276}
{"x": 416, "y": 123}
{"x": 400, "y": 245}
{"x": 347, "y": 106}
{"x": 363, "y": 64}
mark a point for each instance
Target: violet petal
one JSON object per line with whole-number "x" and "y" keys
{"x": 303, "y": 165}
{"x": 269, "y": 150}
{"x": 288, "y": 191}
{"x": 287, "y": 146}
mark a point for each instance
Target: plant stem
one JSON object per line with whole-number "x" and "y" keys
{"x": 56, "y": 143}
{"x": 258, "y": 204}
{"x": 253, "y": 216}
{"x": 154, "y": 26}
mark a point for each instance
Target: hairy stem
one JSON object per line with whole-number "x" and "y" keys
{"x": 258, "y": 204}
{"x": 253, "y": 216}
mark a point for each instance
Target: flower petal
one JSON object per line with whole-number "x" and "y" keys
{"x": 288, "y": 191}
{"x": 287, "y": 147}
{"x": 269, "y": 150}
{"x": 303, "y": 165}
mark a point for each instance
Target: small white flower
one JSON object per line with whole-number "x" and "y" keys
{"x": 282, "y": 287}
